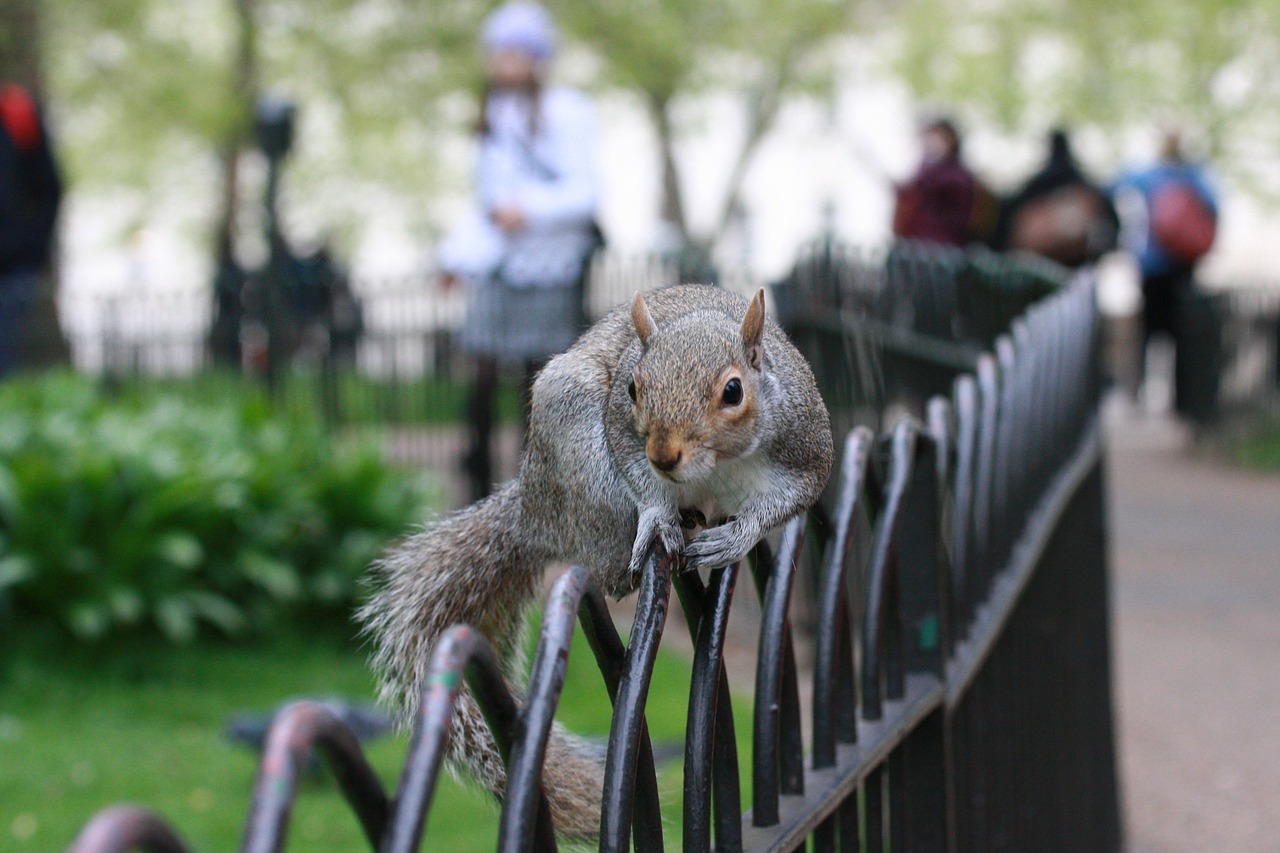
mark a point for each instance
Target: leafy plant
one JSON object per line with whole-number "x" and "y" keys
{"x": 153, "y": 509}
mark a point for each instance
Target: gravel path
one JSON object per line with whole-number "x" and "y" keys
{"x": 1196, "y": 560}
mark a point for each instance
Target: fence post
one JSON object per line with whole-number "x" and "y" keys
{"x": 925, "y": 799}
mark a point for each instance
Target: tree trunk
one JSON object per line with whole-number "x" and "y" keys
{"x": 671, "y": 209}
{"x": 43, "y": 343}
{"x": 762, "y": 109}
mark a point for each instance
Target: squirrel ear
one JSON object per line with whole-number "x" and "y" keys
{"x": 753, "y": 328}
{"x": 642, "y": 319}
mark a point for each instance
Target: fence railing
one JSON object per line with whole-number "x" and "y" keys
{"x": 1249, "y": 337}
{"x": 960, "y": 693}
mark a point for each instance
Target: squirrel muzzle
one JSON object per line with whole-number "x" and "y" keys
{"x": 665, "y": 455}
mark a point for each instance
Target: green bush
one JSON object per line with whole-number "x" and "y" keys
{"x": 160, "y": 510}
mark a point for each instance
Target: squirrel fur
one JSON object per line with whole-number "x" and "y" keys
{"x": 692, "y": 400}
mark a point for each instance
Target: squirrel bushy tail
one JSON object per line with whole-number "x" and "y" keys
{"x": 469, "y": 567}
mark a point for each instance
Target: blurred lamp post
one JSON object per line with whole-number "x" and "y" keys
{"x": 273, "y": 131}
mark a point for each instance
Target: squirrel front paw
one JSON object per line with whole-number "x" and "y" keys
{"x": 721, "y": 545}
{"x": 656, "y": 524}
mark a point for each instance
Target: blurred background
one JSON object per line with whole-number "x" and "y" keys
{"x": 245, "y": 256}
{"x": 745, "y": 127}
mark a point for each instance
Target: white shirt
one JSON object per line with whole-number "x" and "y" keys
{"x": 551, "y": 176}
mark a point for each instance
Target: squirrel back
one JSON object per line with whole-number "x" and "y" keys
{"x": 687, "y": 408}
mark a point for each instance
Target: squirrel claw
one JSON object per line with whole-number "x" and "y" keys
{"x": 719, "y": 546}
{"x": 654, "y": 528}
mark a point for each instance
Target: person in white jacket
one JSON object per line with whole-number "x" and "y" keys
{"x": 523, "y": 252}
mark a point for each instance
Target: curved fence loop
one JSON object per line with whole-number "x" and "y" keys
{"x": 296, "y": 730}
{"x": 488, "y": 684}
{"x": 1007, "y": 428}
{"x": 122, "y": 828}
{"x": 461, "y": 654}
{"x": 709, "y": 732}
{"x": 988, "y": 380}
{"x": 963, "y": 499}
{"x": 628, "y": 710}
{"x": 777, "y": 750}
{"x": 429, "y": 740}
{"x": 525, "y": 801}
{"x": 882, "y": 652}
{"x": 610, "y": 653}
{"x": 834, "y": 714}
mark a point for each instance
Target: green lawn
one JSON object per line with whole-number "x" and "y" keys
{"x": 1259, "y": 447}
{"x": 80, "y": 730}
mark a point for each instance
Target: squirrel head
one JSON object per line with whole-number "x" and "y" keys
{"x": 696, "y": 390}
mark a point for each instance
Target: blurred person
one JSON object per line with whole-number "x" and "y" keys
{"x": 1059, "y": 212}
{"x": 1168, "y": 214}
{"x": 937, "y": 204}
{"x": 523, "y": 253}
{"x": 30, "y": 194}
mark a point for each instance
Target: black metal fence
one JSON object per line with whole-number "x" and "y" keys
{"x": 1245, "y": 333}
{"x": 960, "y": 695}
{"x": 376, "y": 352}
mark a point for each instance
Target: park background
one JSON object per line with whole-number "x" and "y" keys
{"x": 747, "y": 128}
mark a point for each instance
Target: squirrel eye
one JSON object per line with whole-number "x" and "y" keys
{"x": 631, "y": 390}
{"x": 732, "y": 395}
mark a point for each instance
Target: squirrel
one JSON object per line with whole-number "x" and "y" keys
{"x": 690, "y": 405}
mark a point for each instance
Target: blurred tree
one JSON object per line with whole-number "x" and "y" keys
{"x": 1211, "y": 65}
{"x": 158, "y": 95}
{"x": 20, "y": 44}
{"x": 672, "y": 52}
{"x": 159, "y": 98}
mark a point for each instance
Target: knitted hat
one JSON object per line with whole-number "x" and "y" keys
{"x": 520, "y": 25}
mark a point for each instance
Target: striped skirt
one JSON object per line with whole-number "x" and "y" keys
{"x": 520, "y": 324}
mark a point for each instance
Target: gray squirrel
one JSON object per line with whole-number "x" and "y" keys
{"x": 690, "y": 404}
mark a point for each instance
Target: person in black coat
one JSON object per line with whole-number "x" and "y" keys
{"x": 1059, "y": 212}
{"x": 30, "y": 194}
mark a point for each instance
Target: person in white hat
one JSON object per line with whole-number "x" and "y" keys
{"x": 523, "y": 252}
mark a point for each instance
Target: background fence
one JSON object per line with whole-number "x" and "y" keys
{"x": 960, "y": 694}
{"x": 1243, "y": 324}
{"x": 382, "y": 351}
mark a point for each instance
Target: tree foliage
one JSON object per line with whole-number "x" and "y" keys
{"x": 151, "y": 91}
{"x": 671, "y": 53}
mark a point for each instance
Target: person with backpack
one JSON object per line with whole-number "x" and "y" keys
{"x": 1058, "y": 213}
{"x": 30, "y": 194}
{"x": 1168, "y": 215}
{"x": 523, "y": 251}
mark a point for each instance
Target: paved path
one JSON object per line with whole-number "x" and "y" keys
{"x": 1196, "y": 556}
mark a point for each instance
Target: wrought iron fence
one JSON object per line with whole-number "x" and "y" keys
{"x": 1249, "y": 367}
{"x": 960, "y": 680}
{"x": 370, "y": 352}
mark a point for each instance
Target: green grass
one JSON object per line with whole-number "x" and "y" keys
{"x": 1260, "y": 446}
{"x": 82, "y": 728}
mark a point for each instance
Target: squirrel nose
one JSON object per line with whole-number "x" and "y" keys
{"x": 667, "y": 460}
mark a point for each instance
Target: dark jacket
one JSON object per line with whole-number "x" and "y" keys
{"x": 30, "y": 194}
{"x": 1059, "y": 173}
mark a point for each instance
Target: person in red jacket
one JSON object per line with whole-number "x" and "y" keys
{"x": 937, "y": 204}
